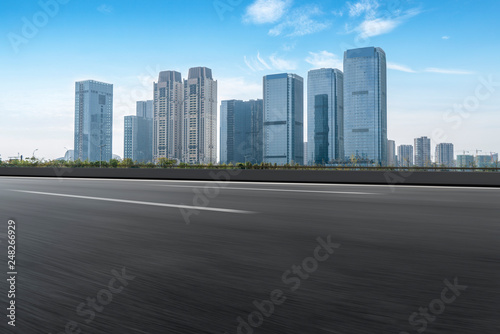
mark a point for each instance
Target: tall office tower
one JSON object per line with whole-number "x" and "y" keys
{"x": 423, "y": 152}
{"x": 241, "y": 131}
{"x": 199, "y": 127}
{"x": 365, "y": 105}
{"x": 325, "y": 116}
{"x": 145, "y": 109}
{"x": 168, "y": 109}
{"x": 445, "y": 155}
{"x": 93, "y": 120}
{"x": 138, "y": 139}
{"x": 391, "y": 153}
{"x": 405, "y": 155}
{"x": 283, "y": 119}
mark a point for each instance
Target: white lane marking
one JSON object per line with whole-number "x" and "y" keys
{"x": 253, "y": 182}
{"x": 187, "y": 207}
{"x": 270, "y": 189}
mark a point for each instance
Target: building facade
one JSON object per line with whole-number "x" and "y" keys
{"x": 241, "y": 131}
{"x": 365, "y": 105}
{"x": 167, "y": 114}
{"x": 283, "y": 119}
{"x": 423, "y": 152}
{"x": 138, "y": 133}
{"x": 464, "y": 160}
{"x": 93, "y": 121}
{"x": 391, "y": 153}
{"x": 445, "y": 155}
{"x": 325, "y": 116}
{"x": 145, "y": 109}
{"x": 405, "y": 155}
{"x": 199, "y": 120}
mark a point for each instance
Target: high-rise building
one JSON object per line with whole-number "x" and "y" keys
{"x": 445, "y": 155}
{"x": 325, "y": 116}
{"x": 145, "y": 109}
{"x": 405, "y": 155}
{"x": 391, "y": 153}
{"x": 138, "y": 133}
{"x": 283, "y": 119}
{"x": 241, "y": 131}
{"x": 93, "y": 120}
{"x": 365, "y": 105}
{"x": 199, "y": 121}
{"x": 423, "y": 152}
{"x": 465, "y": 160}
{"x": 168, "y": 112}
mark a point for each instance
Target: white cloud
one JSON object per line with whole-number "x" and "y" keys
{"x": 300, "y": 22}
{"x": 399, "y": 67}
{"x": 259, "y": 63}
{"x": 238, "y": 88}
{"x": 371, "y": 28}
{"x": 376, "y": 22}
{"x": 445, "y": 37}
{"x": 367, "y": 7}
{"x": 282, "y": 64}
{"x": 266, "y": 11}
{"x": 448, "y": 71}
{"x": 324, "y": 59}
{"x": 262, "y": 61}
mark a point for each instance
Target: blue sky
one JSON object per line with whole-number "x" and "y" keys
{"x": 441, "y": 56}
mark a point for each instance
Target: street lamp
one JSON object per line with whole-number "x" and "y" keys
{"x": 33, "y": 155}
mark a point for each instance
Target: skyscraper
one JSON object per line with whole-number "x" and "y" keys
{"x": 445, "y": 155}
{"x": 325, "y": 116}
{"x": 241, "y": 131}
{"x": 145, "y": 109}
{"x": 391, "y": 153}
{"x": 93, "y": 120}
{"x": 199, "y": 122}
{"x": 405, "y": 155}
{"x": 138, "y": 131}
{"x": 423, "y": 152}
{"x": 283, "y": 119}
{"x": 365, "y": 105}
{"x": 168, "y": 111}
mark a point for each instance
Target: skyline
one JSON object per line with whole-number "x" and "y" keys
{"x": 433, "y": 63}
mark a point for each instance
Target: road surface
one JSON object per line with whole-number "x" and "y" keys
{"x": 132, "y": 256}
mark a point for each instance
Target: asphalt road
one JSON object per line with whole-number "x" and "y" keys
{"x": 118, "y": 256}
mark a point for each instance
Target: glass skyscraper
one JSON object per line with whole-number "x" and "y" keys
{"x": 365, "y": 105}
{"x": 325, "y": 116}
{"x": 93, "y": 120}
{"x": 241, "y": 131}
{"x": 283, "y": 119}
{"x": 138, "y": 131}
